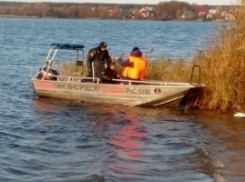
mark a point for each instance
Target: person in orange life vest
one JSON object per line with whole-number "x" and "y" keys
{"x": 134, "y": 65}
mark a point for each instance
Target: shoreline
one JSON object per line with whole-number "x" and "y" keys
{"x": 88, "y": 18}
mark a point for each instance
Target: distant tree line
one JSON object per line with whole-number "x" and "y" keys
{"x": 174, "y": 9}
{"x": 164, "y": 10}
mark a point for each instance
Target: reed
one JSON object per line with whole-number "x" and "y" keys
{"x": 168, "y": 70}
{"x": 223, "y": 66}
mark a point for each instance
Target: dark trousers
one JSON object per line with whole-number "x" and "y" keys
{"x": 99, "y": 67}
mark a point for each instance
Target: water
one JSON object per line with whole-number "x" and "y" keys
{"x": 59, "y": 141}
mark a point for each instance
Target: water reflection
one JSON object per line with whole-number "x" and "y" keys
{"x": 117, "y": 143}
{"x": 127, "y": 148}
{"x": 43, "y": 105}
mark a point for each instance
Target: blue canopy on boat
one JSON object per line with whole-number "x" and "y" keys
{"x": 67, "y": 46}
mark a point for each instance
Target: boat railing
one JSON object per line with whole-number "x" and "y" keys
{"x": 80, "y": 79}
{"x": 48, "y": 61}
{"x": 77, "y": 79}
{"x": 52, "y": 53}
{"x": 199, "y": 74}
{"x": 151, "y": 82}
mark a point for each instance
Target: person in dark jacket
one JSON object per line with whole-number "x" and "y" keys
{"x": 109, "y": 73}
{"x": 100, "y": 57}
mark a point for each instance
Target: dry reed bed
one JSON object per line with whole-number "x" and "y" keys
{"x": 223, "y": 65}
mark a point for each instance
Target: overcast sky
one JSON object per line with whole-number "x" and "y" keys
{"x": 210, "y": 2}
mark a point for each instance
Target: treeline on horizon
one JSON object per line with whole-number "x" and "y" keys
{"x": 163, "y": 10}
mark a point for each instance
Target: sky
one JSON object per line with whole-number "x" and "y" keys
{"x": 201, "y": 2}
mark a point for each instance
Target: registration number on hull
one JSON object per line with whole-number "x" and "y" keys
{"x": 138, "y": 91}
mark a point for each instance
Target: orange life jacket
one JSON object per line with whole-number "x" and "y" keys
{"x": 137, "y": 70}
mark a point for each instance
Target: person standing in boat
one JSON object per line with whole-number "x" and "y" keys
{"x": 100, "y": 57}
{"x": 134, "y": 65}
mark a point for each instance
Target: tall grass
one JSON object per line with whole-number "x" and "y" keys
{"x": 72, "y": 69}
{"x": 168, "y": 70}
{"x": 223, "y": 65}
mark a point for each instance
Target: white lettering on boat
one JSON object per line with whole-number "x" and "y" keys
{"x": 138, "y": 91}
{"x": 68, "y": 86}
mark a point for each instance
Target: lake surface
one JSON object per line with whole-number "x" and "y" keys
{"x": 60, "y": 141}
